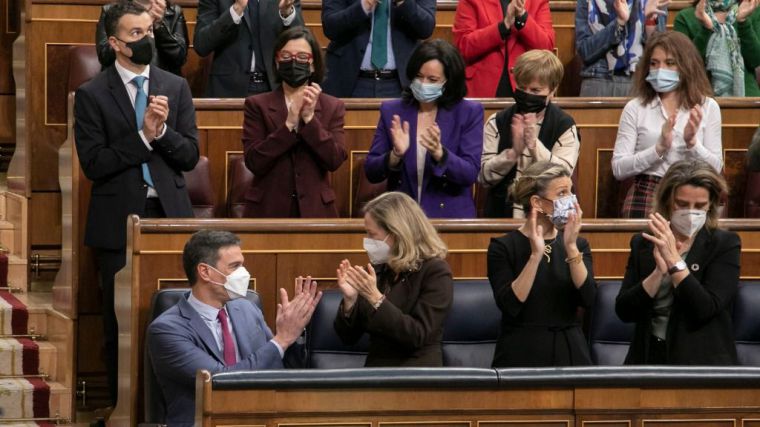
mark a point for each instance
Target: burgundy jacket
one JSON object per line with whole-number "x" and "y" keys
{"x": 290, "y": 169}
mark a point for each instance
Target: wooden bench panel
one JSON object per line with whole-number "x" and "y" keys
{"x": 276, "y": 251}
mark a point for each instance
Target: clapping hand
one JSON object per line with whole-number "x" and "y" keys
{"x": 286, "y": 7}
{"x": 655, "y": 8}
{"x": 690, "y": 131}
{"x": 622, "y": 11}
{"x": 535, "y": 233}
{"x": 399, "y": 136}
{"x": 157, "y": 10}
{"x": 746, "y": 7}
{"x": 663, "y": 239}
{"x": 364, "y": 281}
{"x": 296, "y": 105}
{"x": 666, "y": 136}
{"x": 349, "y": 292}
{"x": 310, "y": 98}
{"x": 700, "y": 12}
{"x": 369, "y": 5}
{"x": 293, "y": 315}
{"x": 530, "y": 132}
{"x": 155, "y": 116}
{"x": 518, "y": 135}
{"x": 519, "y": 7}
{"x": 431, "y": 140}
{"x": 572, "y": 229}
{"x": 240, "y": 6}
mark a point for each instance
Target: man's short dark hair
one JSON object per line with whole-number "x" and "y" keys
{"x": 203, "y": 247}
{"x": 295, "y": 33}
{"x": 117, "y": 10}
{"x": 453, "y": 68}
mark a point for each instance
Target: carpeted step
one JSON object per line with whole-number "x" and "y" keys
{"x": 14, "y": 317}
{"x": 24, "y": 398}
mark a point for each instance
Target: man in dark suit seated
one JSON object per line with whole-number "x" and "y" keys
{"x": 370, "y": 44}
{"x": 240, "y": 34}
{"x": 169, "y": 34}
{"x": 215, "y": 328}
{"x": 135, "y": 134}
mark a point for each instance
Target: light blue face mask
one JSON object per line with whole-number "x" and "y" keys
{"x": 426, "y": 92}
{"x": 663, "y": 80}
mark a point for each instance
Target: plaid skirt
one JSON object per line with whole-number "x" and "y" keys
{"x": 640, "y": 197}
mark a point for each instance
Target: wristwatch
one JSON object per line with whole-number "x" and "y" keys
{"x": 679, "y": 266}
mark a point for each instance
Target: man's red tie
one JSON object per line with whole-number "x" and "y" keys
{"x": 227, "y": 341}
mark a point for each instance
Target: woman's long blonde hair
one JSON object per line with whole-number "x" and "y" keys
{"x": 415, "y": 238}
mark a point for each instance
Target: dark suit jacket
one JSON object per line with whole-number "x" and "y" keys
{"x": 446, "y": 186}
{"x": 407, "y": 328}
{"x": 111, "y": 153}
{"x": 286, "y": 163}
{"x": 232, "y": 46}
{"x": 349, "y": 28}
{"x": 700, "y": 330}
{"x": 170, "y": 37}
{"x": 180, "y": 343}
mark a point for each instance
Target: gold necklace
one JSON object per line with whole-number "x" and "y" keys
{"x": 548, "y": 252}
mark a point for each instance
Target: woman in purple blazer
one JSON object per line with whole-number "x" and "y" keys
{"x": 428, "y": 143}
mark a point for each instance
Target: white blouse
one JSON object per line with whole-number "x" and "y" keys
{"x": 640, "y": 129}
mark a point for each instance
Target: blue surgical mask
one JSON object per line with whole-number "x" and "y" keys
{"x": 426, "y": 92}
{"x": 663, "y": 80}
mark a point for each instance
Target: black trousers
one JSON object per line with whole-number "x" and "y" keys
{"x": 109, "y": 262}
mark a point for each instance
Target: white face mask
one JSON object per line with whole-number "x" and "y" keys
{"x": 236, "y": 283}
{"x": 688, "y": 221}
{"x": 377, "y": 250}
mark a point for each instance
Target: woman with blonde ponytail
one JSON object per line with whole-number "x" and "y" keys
{"x": 541, "y": 273}
{"x": 403, "y": 295}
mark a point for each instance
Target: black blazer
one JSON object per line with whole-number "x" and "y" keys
{"x": 111, "y": 153}
{"x": 349, "y": 28}
{"x": 408, "y": 327}
{"x": 700, "y": 331}
{"x": 170, "y": 37}
{"x": 232, "y": 46}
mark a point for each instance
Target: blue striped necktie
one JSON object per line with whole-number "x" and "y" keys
{"x": 141, "y": 103}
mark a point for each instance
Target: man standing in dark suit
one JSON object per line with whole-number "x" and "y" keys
{"x": 135, "y": 134}
{"x": 214, "y": 327}
{"x": 241, "y": 33}
{"x": 371, "y": 42}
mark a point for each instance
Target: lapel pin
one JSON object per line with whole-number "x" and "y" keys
{"x": 695, "y": 267}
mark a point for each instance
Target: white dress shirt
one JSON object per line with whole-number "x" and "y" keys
{"x": 286, "y": 21}
{"x": 210, "y": 314}
{"x": 127, "y": 77}
{"x": 641, "y": 127}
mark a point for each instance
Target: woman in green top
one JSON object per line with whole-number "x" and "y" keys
{"x": 727, "y": 33}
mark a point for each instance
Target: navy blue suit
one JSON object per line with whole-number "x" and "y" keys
{"x": 349, "y": 28}
{"x": 180, "y": 343}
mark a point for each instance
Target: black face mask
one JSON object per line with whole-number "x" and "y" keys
{"x": 294, "y": 73}
{"x": 528, "y": 102}
{"x": 142, "y": 50}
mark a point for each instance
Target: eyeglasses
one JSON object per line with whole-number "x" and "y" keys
{"x": 302, "y": 57}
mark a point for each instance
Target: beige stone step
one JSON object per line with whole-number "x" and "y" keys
{"x": 60, "y": 401}
{"x": 17, "y": 269}
{"x": 48, "y": 359}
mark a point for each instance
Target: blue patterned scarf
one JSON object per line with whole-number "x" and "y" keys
{"x": 625, "y": 56}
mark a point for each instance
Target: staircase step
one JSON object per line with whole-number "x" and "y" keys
{"x": 17, "y": 277}
{"x": 38, "y": 304}
{"x": 60, "y": 401}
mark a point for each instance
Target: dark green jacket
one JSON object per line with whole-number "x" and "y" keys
{"x": 749, "y": 37}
